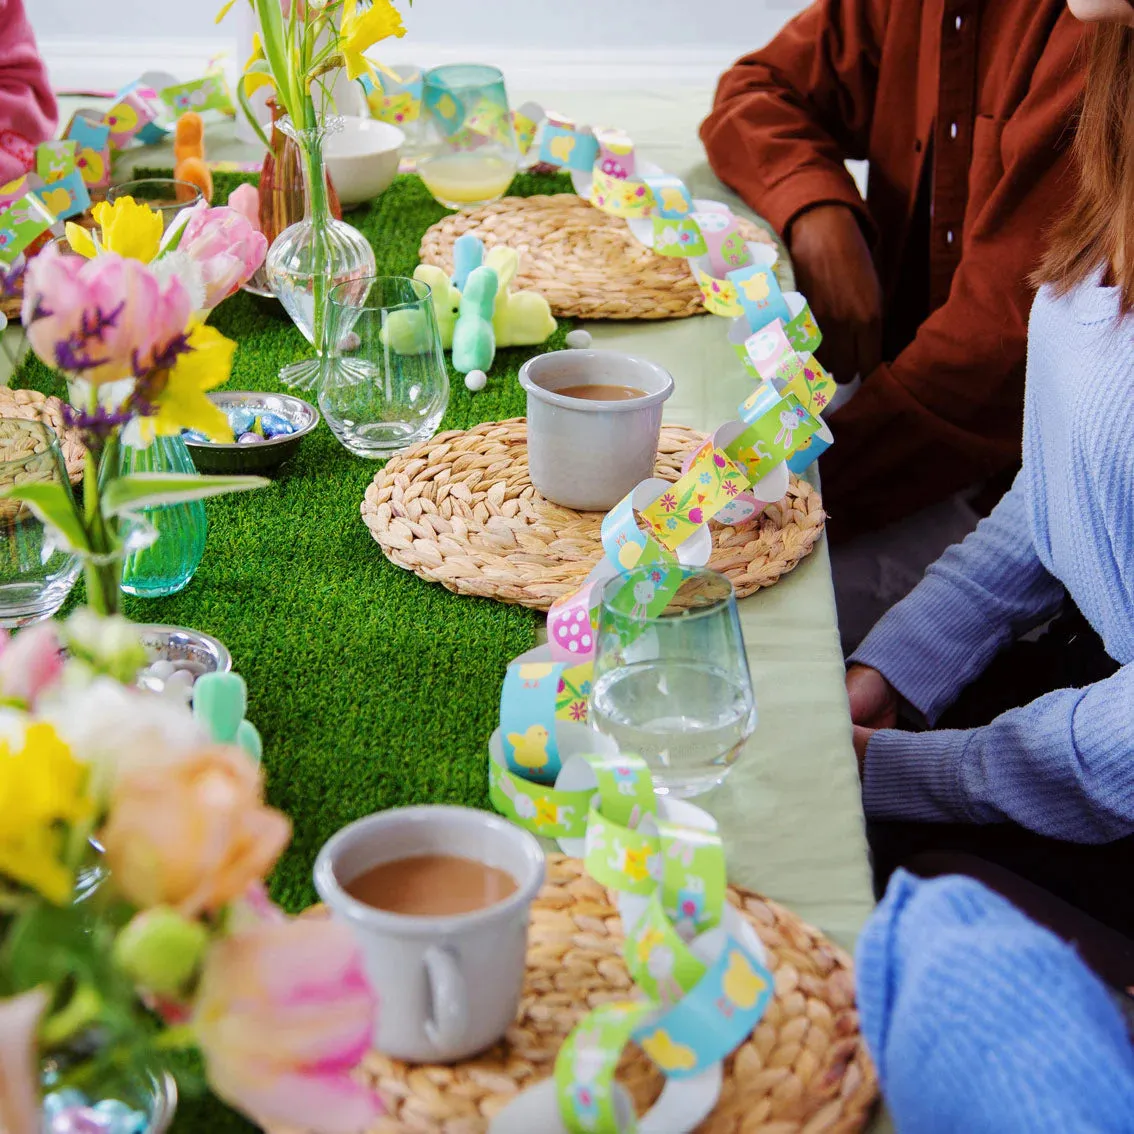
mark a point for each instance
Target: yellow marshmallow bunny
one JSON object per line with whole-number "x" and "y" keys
{"x": 520, "y": 318}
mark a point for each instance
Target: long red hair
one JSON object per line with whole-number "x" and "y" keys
{"x": 1098, "y": 229}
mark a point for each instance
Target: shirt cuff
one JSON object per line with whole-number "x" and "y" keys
{"x": 807, "y": 188}
{"x": 915, "y": 776}
{"x": 929, "y": 647}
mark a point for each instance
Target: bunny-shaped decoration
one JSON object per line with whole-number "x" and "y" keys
{"x": 474, "y": 342}
{"x": 520, "y": 318}
{"x": 446, "y": 300}
{"x": 468, "y": 255}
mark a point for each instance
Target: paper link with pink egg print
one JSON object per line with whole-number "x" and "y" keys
{"x": 700, "y": 966}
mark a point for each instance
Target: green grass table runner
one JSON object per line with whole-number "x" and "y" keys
{"x": 372, "y": 688}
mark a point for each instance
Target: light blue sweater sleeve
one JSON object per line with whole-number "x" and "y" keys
{"x": 981, "y": 1022}
{"x": 1060, "y": 766}
{"x": 976, "y": 599}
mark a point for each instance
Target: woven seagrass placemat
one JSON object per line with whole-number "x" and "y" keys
{"x": 461, "y": 510}
{"x": 29, "y": 405}
{"x": 805, "y": 1068}
{"x": 583, "y": 261}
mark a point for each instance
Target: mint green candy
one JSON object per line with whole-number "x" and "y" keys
{"x": 219, "y": 701}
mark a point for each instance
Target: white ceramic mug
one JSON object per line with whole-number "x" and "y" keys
{"x": 589, "y": 454}
{"x": 448, "y": 987}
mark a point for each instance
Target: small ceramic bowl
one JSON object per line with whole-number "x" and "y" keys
{"x": 588, "y": 454}
{"x": 263, "y": 456}
{"x": 362, "y": 159}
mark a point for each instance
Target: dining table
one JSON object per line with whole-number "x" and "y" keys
{"x": 789, "y": 811}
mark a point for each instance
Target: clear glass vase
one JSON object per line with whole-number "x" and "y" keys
{"x": 309, "y": 258}
{"x": 166, "y": 565}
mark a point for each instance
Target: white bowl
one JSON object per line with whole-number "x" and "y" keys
{"x": 362, "y": 158}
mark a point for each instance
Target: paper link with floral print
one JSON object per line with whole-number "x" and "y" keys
{"x": 710, "y": 485}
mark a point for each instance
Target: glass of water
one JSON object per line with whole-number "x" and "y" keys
{"x": 35, "y": 575}
{"x": 384, "y": 384}
{"x": 671, "y": 679}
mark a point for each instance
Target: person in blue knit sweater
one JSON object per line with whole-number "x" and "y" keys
{"x": 981, "y": 1022}
{"x": 1026, "y": 770}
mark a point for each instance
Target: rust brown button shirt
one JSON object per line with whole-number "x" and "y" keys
{"x": 987, "y": 89}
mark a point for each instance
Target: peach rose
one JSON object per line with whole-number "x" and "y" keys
{"x": 193, "y": 833}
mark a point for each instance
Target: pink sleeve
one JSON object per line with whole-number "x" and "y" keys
{"x": 28, "y": 114}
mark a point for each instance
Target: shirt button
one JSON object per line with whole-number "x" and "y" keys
{"x": 949, "y": 237}
{"x": 953, "y": 130}
{"x": 959, "y": 22}
{"x": 917, "y": 146}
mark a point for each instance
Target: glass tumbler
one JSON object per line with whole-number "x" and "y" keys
{"x": 35, "y": 576}
{"x": 162, "y": 194}
{"x": 384, "y": 383}
{"x": 467, "y": 155}
{"x": 671, "y": 678}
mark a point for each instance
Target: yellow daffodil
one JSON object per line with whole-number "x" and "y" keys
{"x": 131, "y": 229}
{"x": 181, "y": 401}
{"x": 42, "y": 785}
{"x": 254, "y": 79}
{"x": 362, "y": 29}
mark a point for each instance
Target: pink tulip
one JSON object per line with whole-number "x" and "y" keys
{"x": 102, "y": 319}
{"x": 19, "y": 1079}
{"x": 193, "y": 832}
{"x": 225, "y": 247}
{"x": 31, "y": 662}
{"x": 283, "y": 1014}
{"x": 245, "y": 199}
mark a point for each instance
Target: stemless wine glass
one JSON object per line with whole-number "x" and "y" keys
{"x": 162, "y": 194}
{"x": 467, "y": 154}
{"x": 673, "y": 684}
{"x": 35, "y": 576}
{"x": 384, "y": 384}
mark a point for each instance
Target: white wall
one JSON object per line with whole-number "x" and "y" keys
{"x": 571, "y": 42}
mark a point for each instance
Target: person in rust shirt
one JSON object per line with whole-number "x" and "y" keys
{"x": 965, "y": 110}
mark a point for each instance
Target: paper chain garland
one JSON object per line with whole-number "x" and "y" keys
{"x": 61, "y": 174}
{"x": 548, "y": 771}
{"x": 699, "y": 966}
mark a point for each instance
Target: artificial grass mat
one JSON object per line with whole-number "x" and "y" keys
{"x": 371, "y": 687}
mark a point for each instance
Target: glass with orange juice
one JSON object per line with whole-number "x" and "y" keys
{"x": 469, "y": 154}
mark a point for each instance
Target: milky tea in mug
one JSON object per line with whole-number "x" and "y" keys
{"x": 439, "y": 900}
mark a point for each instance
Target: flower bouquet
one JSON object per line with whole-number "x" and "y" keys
{"x": 123, "y": 322}
{"x": 178, "y": 946}
{"x": 300, "y": 47}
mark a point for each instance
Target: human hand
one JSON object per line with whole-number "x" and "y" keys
{"x": 873, "y": 700}
{"x": 834, "y": 269}
{"x": 861, "y": 740}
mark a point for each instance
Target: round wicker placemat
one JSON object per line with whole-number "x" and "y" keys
{"x": 30, "y": 405}
{"x": 805, "y": 1068}
{"x": 583, "y": 261}
{"x": 461, "y": 510}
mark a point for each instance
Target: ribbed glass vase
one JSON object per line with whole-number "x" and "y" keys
{"x": 167, "y": 565}
{"x": 309, "y": 258}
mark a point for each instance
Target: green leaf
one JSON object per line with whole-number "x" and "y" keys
{"x": 274, "y": 38}
{"x": 54, "y": 505}
{"x": 151, "y": 490}
{"x": 261, "y": 65}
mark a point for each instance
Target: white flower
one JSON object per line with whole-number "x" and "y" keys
{"x": 112, "y": 727}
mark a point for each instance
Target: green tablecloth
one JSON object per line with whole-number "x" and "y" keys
{"x": 790, "y": 810}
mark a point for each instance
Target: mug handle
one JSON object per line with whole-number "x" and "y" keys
{"x": 450, "y": 1003}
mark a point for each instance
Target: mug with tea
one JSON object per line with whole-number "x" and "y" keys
{"x": 594, "y": 417}
{"x": 439, "y": 900}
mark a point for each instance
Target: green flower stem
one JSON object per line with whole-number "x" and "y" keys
{"x": 319, "y": 211}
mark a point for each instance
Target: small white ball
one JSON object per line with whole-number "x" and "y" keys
{"x": 579, "y": 340}
{"x": 476, "y": 380}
